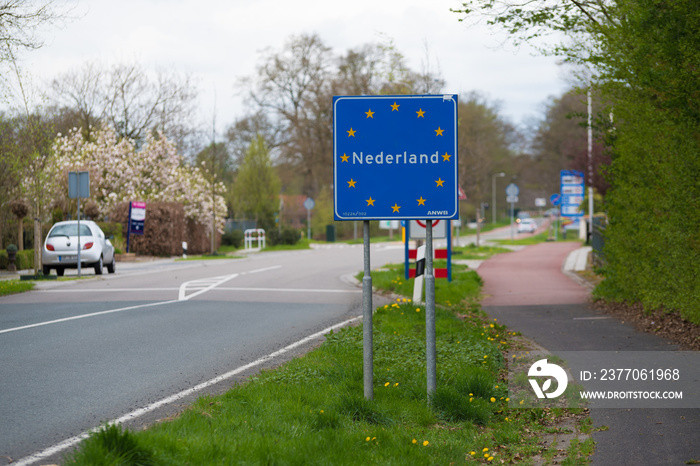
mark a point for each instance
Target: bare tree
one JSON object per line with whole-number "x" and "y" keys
{"x": 19, "y": 24}
{"x": 83, "y": 91}
{"x": 131, "y": 100}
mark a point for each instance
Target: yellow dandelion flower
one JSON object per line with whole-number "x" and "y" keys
{"x": 415, "y": 441}
{"x": 507, "y": 399}
{"x": 403, "y": 300}
{"x": 490, "y": 458}
{"x": 493, "y": 400}
{"x": 507, "y": 419}
{"x": 409, "y": 300}
{"x": 496, "y": 386}
{"x": 417, "y": 309}
{"x": 472, "y": 453}
{"x": 367, "y": 439}
{"x": 491, "y": 325}
{"x": 426, "y": 443}
{"x": 387, "y": 384}
{"x": 374, "y": 438}
{"x": 471, "y": 399}
{"x": 321, "y": 411}
{"x": 486, "y": 356}
{"x": 485, "y": 450}
{"x": 486, "y": 455}
{"x": 495, "y": 320}
{"x": 396, "y": 384}
{"x": 398, "y": 300}
{"x": 522, "y": 401}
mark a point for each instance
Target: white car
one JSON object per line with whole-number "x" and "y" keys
{"x": 527, "y": 225}
{"x": 61, "y": 248}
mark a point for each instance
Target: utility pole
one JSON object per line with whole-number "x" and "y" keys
{"x": 590, "y": 163}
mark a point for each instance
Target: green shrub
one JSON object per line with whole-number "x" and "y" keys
{"x": 232, "y": 238}
{"x": 24, "y": 259}
{"x": 288, "y": 236}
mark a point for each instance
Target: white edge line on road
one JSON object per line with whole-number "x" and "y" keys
{"x": 84, "y": 316}
{"x": 31, "y": 459}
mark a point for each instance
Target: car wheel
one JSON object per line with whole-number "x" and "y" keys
{"x": 112, "y": 267}
{"x": 98, "y": 267}
{"x": 60, "y": 271}
{"x": 46, "y": 269}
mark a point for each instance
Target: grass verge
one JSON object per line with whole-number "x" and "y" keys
{"x": 312, "y": 409}
{"x": 8, "y": 287}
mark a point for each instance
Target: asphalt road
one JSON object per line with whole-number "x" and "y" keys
{"x": 74, "y": 355}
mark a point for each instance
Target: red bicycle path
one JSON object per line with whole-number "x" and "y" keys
{"x": 527, "y": 291}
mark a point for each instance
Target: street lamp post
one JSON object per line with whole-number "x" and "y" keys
{"x": 493, "y": 193}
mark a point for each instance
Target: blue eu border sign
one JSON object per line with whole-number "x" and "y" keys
{"x": 395, "y": 157}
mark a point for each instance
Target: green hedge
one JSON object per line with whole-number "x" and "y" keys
{"x": 24, "y": 260}
{"x": 652, "y": 243}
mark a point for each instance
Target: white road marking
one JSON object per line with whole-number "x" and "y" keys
{"x": 103, "y": 290}
{"x": 591, "y": 318}
{"x": 84, "y": 316}
{"x": 59, "y": 447}
{"x": 211, "y": 285}
{"x": 290, "y": 290}
{"x": 203, "y": 285}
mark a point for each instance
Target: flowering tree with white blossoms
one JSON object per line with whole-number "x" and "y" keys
{"x": 119, "y": 173}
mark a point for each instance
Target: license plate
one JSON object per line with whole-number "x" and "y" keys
{"x": 67, "y": 258}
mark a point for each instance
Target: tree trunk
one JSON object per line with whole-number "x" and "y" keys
{"x": 20, "y": 234}
{"x": 37, "y": 244}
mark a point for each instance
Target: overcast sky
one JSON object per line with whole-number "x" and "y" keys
{"x": 217, "y": 41}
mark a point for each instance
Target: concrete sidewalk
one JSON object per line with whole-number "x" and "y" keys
{"x": 529, "y": 291}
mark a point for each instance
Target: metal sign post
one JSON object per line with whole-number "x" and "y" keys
{"x": 308, "y": 205}
{"x": 430, "y": 348}
{"x": 78, "y": 187}
{"x": 367, "y": 338}
{"x": 395, "y": 158}
{"x": 512, "y": 192}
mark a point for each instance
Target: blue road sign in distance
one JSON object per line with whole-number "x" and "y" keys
{"x": 572, "y": 192}
{"x": 395, "y": 157}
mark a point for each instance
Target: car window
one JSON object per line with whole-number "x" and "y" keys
{"x": 70, "y": 229}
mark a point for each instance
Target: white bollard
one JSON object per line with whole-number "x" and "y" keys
{"x": 418, "y": 283}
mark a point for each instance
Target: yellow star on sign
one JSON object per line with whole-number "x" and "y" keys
{"x": 370, "y": 113}
{"x": 351, "y": 132}
{"x": 439, "y": 131}
{"x": 395, "y": 107}
{"x": 420, "y": 113}
{"x": 421, "y": 201}
{"x": 439, "y": 182}
{"x": 395, "y": 207}
{"x": 370, "y": 201}
{"x": 351, "y": 183}
{"x": 446, "y": 157}
{"x": 344, "y": 157}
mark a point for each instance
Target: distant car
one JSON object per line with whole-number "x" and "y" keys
{"x": 527, "y": 225}
{"x": 521, "y": 216}
{"x": 61, "y": 248}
